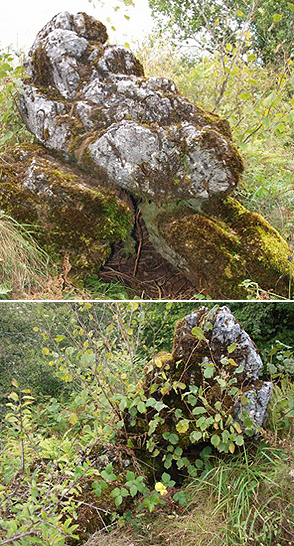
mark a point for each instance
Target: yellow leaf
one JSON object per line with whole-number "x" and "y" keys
{"x": 232, "y": 447}
{"x": 160, "y": 488}
{"x": 237, "y": 427}
{"x": 158, "y": 362}
{"x": 73, "y": 418}
{"x": 183, "y": 426}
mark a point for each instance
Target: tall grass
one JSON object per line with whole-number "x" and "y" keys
{"x": 24, "y": 266}
{"x": 244, "y": 499}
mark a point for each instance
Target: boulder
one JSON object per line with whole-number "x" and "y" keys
{"x": 70, "y": 216}
{"x": 88, "y": 103}
{"x": 91, "y": 102}
{"x": 207, "y": 386}
{"x": 219, "y": 246}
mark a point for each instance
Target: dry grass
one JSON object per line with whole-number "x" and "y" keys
{"x": 24, "y": 267}
{"x": 115, "y": 538}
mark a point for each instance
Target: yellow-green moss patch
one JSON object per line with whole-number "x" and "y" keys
{"x": 70, "y": 216}
{"x": 226, "y": 245}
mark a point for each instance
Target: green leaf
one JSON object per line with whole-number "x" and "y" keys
{"x": 97, "y": 488}
{"x": 209, "y": 372}
{"x": 142, "y": 407}
{"x": 231, "y": 348}
{"x": 118, "y": 500}
{"x": 290, "y": 6}
{"x": 173, "y": 439}
{"x": 199, "y": 410}
{"x": 192, "y": 399}
{"x": 168, "y": 461}
{"x": 13, "y": 396}
{"x": 109, "y": 477}
{"x": 247, "y": 422}
{"x": 195, "y": 436}
{"x": 239, "y": 440}
{"x": 183, "y": 426}
{"x": 122, "y": 404}
{"x": 198, "y": 332}
{"x": 151, "y": 402}
{"x": 215, "y": 440}
{"x": 133, "y": 490}
{"x": 88, "y": 358}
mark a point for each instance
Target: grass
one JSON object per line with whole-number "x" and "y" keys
{"x": 24, "y": 266}
{"x": 244, "y": 499}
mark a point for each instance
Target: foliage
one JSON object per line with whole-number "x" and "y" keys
{"x": 47, "y": 469}
{"x": 281, "y": 410}
{"x": 269, "y": 324}
{"x": 222, "y": 26}
{"x": 12, "y": 129}
{"x": 102, "y": 290}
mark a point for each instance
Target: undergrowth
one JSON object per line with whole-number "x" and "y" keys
{"x": 24, "y": 266}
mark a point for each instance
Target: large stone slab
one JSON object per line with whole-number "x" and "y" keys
{"x": 221, "y": 245}
{"x": 69, "y": 215}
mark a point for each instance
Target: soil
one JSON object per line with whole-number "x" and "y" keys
{"x": 146, "y": 273}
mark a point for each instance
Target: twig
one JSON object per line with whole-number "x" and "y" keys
{"x": 140, "y": 242}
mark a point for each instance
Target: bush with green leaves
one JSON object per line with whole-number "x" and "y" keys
{"x": 12, "y": 72}
{"x": 47, "y": 474}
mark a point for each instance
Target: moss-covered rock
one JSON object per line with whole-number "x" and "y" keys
{"x": 178, "y": 391}
{"x": 220, "y": 246}
{"x": 69, "y": 215}
{"x": 91, "y": 102}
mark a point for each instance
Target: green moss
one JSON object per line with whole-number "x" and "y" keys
{"x": 225, "y": 245}
{"x": 71, "y": 217}
{"x": 204, "y": 117}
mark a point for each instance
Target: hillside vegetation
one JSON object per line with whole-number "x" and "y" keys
{"x": 68, "y": 467}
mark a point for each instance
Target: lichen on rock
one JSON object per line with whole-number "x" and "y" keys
{"x": 69, "y": 215}
{"x": 141, "y": 134}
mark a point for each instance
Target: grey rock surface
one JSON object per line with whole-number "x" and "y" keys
{"x": 91, "y": 102}
{"x": 227, "y": 330}
{"x": 221, "y": 329}
{"x": 258, "y": 398}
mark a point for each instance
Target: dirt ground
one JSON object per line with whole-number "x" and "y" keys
{"x": 144, "y": 272}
